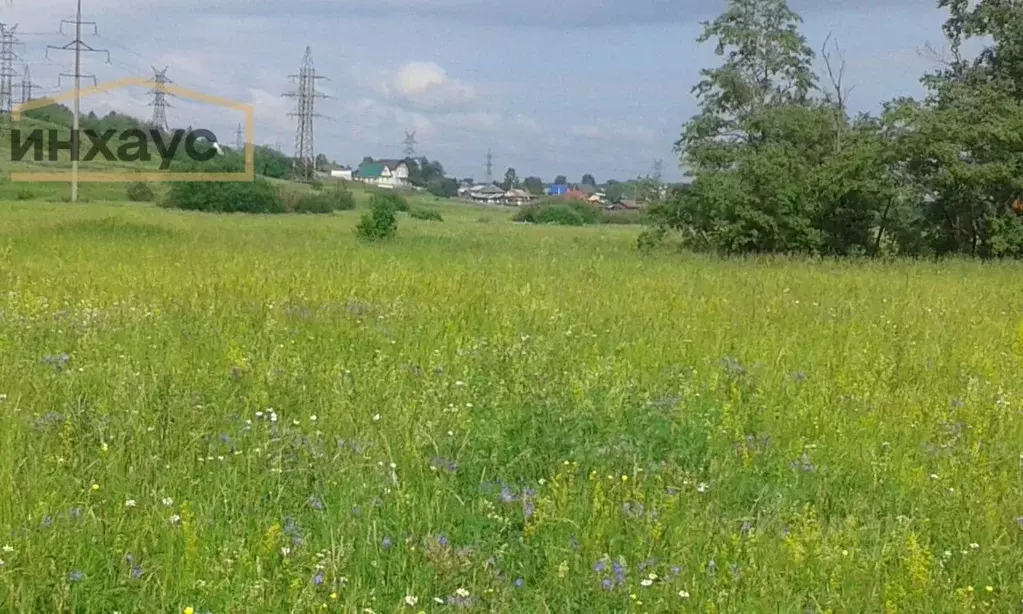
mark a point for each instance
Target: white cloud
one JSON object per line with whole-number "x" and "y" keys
{"x": 425, "y": 85}
{"x": 614, "y": 130}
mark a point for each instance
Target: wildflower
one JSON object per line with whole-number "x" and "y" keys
{"x": 683, "y": 594}
{"x": 312, "y": 418}
{"x": 333, "y": 596}
{"x": 386, "y": 543}
{"x": 130, "y": 503}
{"x": 519, "y": 582}
{"x": 136, "y": 572}
{"x": 285, "y": 551}
{"x": 606, "y": 584}
{"x": 528, "y": 509}
{"x": 167, "y": 501}
{"x": 411, "y": 600}
{"x": 316, "y": 503}
{"x": 989, "y": 588}
{"x": 189, "y": 610}
{"x": 2, "y": 563}
{"x": 8, "y": 549}
{"x": 975, "y": 546}
{"x": 376, "y": 418}
{"x": 599, "y": 566}
{"x": 75, "y": 576}
{"x": 462, "y": 593}
{"x": 318, "y": 578}
{"x": 646, "y": 582}
{"x": 702, "y": 487}
{"x": 175, "y": 519}
{"x": 95, "y": 487}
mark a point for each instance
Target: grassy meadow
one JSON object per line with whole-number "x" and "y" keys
{"x": 234, "y": 414}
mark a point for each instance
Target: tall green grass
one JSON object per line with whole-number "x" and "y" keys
{"x": 237, "y": 414}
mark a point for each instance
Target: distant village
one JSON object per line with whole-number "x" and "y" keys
{"x": 394, "y": 174}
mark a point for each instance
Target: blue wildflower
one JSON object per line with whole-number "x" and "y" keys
{"x": 386, "y": 543}
{"x": 519, "y": 582}
{"x": 75, "y": 576}
{"x": 318, "y": 578}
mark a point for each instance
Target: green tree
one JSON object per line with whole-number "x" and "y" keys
{"x": 511, "y": 180}
{"x": 533, "y": 185}
{"x": 322, "y": 163}
{"x": 588, "y": 179}
{"x": 560, "y": 180}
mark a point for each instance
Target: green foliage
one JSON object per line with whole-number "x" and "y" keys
{"x": 257, "y": 196}
{"x": 139, "y": 191}
{"x": 325, "y": 201}
{"x": 388, "y": 198}
{"x": 443, "y": 188}
{"x": 511, "y": 180}
{"x": 560, "y": 212}
{"x": 271, "y": 163}
{"x": 588, "y": 179}
{"x": 379, "y": 224}
{"x": 426, "y": 214}
{"x": 533, "y": 185}
{"x": 778, "y": 166}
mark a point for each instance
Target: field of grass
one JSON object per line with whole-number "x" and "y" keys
{"x": 260, "y": 414}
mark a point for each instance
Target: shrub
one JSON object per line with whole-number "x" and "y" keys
{"x": 229, "y": 197}
{"x": 559, "y": 212}
{"x": 338, "y": 199}
{"x": 25, "y": 194}
{"x": 139, "y": 192}
{"x": 379, "y": 223}
{"x": 393, "y": 200}
{"x": 426, "y": 214}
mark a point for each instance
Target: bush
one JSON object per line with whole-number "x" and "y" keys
{"x": 426, "y": 214}
{"x": 559, "y": 212}
{"x": 25, "y": 194}
{"x": 228, "y": 197}
{"x": 139, "y": 192}
{"x": 393, "y": 200}
{"x": 378, "y": 224}
{"x": 338, "y": 199}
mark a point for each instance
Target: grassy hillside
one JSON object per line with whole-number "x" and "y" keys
{"x": 260, "y": 414}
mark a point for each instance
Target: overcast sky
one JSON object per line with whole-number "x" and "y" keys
{"x": 565, "y": 87}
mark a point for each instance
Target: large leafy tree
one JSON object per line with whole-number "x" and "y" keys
{"x": 776, "y": 163}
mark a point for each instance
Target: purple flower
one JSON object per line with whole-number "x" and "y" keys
{"x": 528, "y": 509}
{"x": 676, "y": 570}
{"x": 606, "y": 584}
{"x": 75, "y": 576}
{"x": 599, "y": 567}
{"x": 442, "y": 540}
{"x": 316, "y": 503}
{"x": 519, "y": 582}
{"x": 386, "y": 543}
{"x": 318, "y": 578}
{"x": 136, "y": 572}
{"x": 507, "y": 495}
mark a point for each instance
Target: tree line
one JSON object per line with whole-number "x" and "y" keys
{"x": 777, "y": 164}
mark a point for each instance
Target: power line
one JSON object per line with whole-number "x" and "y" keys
{"x": 7, "y": 56}
{"x": 410, "y": 144}
{"x": 27, "y": 86}
{"x": 160, "y": 103}
{"x": 78, "y": 46}
{"x": 305, "y": 151}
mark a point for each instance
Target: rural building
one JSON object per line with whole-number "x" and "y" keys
{"x": 518, "y": 197}
{"x": 341, "y": 173}
{"x": 486, "y": 193}
{"x": 557, "y": 190}
{"x": 383, "y": 174}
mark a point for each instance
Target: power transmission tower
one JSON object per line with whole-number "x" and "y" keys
{"x": 27, "y": 86}
{"x": 78, "y": 46}
{"x": 305, "y": 151}
{"x": 239, "y": 139}
{"x": 8, "y": 40}
{"x": 160, "y": 103}
{"x": 410, "y": 144}
{"x": 490, "y": 166}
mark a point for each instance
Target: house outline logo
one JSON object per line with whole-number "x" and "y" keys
{"x": 156, "y": 177}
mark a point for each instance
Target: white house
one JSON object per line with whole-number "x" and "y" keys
{"x": 341, "y": 173}
{"x": 383, "y": 173}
